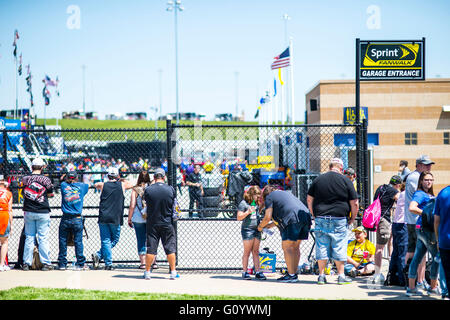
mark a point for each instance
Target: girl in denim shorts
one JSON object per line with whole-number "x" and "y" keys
{"x": 248, "y": 213}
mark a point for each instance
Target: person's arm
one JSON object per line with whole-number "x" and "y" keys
{"x": 126, "y": 185}
{"x": 266, "y": 220}
{"x": 353, "y": 262}
{"x": 414, "y": 208}
{"x": 241, "y": 215}
{"x": 10, "y": 203}
{"x": 354, "y": 205}
{"x": 437, "y": 221}
{"x": 131, "y": 208}
{"x": 310, "y": 201}
{"x": 99, "y": 186}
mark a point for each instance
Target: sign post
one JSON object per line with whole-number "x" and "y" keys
{"x": 381, "y": 60}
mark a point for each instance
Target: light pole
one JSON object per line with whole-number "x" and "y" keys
{"x": 175, "y": 6}
{"x": 237, "y": 94}
{"x": 160, "y": 91}
{"x": 83, "y": 67}
{"x": 286, "y": 18}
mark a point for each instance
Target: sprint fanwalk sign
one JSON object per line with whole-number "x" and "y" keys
{"x": 392, "y": 60}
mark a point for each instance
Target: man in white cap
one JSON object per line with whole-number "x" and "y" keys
{"x": 37, "y": 188}
{"x": 330, "y": 199}
{"x": 110, "y": 218}
{"x": 423, "y": 163}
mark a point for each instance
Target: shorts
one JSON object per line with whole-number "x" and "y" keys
{"x": 412, "y": 238}
{"x": 383, "y": 232}
{"x": 331, "y": 239}
{"x": 250, "y": 234}
{"x": 295, "y": 231}
{"x": 7, "y": 231}
{"x": 163, "y": 232}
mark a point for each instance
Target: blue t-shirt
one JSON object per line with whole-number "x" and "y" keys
{"x": 422, "y": 199}
{"x": 442, "y": 209}
{"x": 72, "y": 197}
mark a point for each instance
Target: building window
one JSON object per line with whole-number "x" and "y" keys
{"x": 446, "y": 137}
{"x": 411, "y": 138}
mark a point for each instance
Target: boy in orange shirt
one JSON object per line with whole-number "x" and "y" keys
{"x": 5, "y": 221}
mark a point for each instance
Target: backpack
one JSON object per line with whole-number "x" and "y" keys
{"x": 427, "y": 216}
{"x": 372, "y": 215}
{"x": 140, "y": 193}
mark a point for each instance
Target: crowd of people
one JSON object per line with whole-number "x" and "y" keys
{"x": 332, "y": 203}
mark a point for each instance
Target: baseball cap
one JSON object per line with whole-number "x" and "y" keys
{"x": 424, "y": 159}
{"x": 396, "y": 180}
{"x": 160, "y": 172}
{"x": 113, "y": 172}
{"x": 72, "y": 175}
{"x": 338, "y": 161}
{"x": 349, "y": 171}
{"x": 38, "y": 162}
{"x": 359, "y": 229}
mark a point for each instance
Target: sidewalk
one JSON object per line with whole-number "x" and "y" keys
{"x": 202, "y": 284}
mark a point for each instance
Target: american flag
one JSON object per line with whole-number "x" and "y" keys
{"x": 281, "y": 61}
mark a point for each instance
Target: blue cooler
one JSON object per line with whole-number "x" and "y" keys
{"x": 267, "y": 262}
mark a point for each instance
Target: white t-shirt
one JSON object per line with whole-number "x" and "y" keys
{"x": 399, "y": 213}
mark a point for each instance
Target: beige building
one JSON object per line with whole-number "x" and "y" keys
{"x": 405, "y": 120}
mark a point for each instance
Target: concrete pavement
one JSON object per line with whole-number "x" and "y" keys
{"x": 127, "y": 279}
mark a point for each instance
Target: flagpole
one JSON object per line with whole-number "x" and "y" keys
{"x": 283, "y": 115}
{"x": 16, "y": 111}
{"x": 291, "y": 53}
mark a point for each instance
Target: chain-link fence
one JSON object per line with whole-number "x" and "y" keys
{"x": 208, "y": 165}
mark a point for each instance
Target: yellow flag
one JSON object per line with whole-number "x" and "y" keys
{"x": 279, "y": 76}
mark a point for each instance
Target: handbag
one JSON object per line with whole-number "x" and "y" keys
{"x": 372, "y": 215}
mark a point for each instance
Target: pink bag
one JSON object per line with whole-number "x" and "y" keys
{"x": 372, "y": 215}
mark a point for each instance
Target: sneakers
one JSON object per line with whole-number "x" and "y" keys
{"x": 434, "y": 292}
{"x": 353, "y": 273}
{"x": 4, "y": 268}
{"x": 284, "y": 278}
{"x": 147, "y": 275}
{"x": 344, "y": 280}
{"x": 416, "y": 292}
{"x": 109, "y": 268}
{"x": 246, "y": 276}
{"x": 62, "y": 268}
{"x": 47, "y": 267}
{"x": 95, "y": 261}
{"x": 322, "y": 279}
{"x": 260, "y": 276}
{"x": 288, "y": 278}
{"x": 82, "y": 268}
{"x": 174, "y": 275}
{"x": 25, "y": 267}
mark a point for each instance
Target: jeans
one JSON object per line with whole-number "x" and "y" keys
{"x": 331, "y": 238}
{"x": 445, "y": 258}
{"x": 141, "y": 238}
{"x": 426, "y": 241}
{"x": 37, "y": 225}
{"x": 74, "y": 224}
{"x": 399, "y": 250}
{"x": 195, "y": 196}
{"x": 109, "y": 236}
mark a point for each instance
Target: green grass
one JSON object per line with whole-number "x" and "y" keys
{"x": 31, "y": 293}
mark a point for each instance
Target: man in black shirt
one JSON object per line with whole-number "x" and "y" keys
{"x": 194, "y": 181}
{"x": 330, "y": 198}
{"x": 37, "y": 189}
{"x": 160, "y": 199}
{"x": 388, "y": 194}
{"x": 110, "y": 217}
{"x": 294, "y": 222}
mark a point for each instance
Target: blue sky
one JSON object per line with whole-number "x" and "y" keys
{"x": 124, "y": 43}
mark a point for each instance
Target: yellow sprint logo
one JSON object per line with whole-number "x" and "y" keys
{"x": 391, "y": 55}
